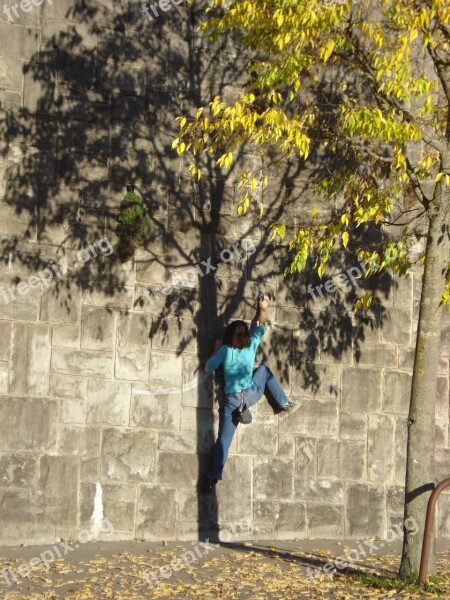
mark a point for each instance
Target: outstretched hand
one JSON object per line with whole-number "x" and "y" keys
{"x": 264, "y": 301}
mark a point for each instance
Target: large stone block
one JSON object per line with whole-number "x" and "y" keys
{"x": 30, "y": 359}
{"x": 5, "y": 336}
{"x": 61, "y": 304}
{"x": 305, "y": 457}
{"x": 365, "y": 512}
{"x": 128, "y": 455}
{"x": 396, "y": 326}
{"x": 197, "y": 390}
{"x": 17, "y": 515}
{"x": 178, "y": 469}
{"x": 154, "y": 410}
{"x": 17, "y": 470}
{"x": 317, "y": 379}
{"x": 166, "y": 370}
{"x": 133, "y": 346}
{"x": 341, "y": 459}
{"x": 397, "y": 392}
{"x": 28, "y": 424}
{"x": 310, "y": 490}
{"x": 175, "y": 333}
{"x": 22, "y": 307}
{"x": 79, "y": 441}
{"x": 155, "y": 513}
{"x": 377, "y": 355}
{"x": 118, "y": 505}
{"x": 108, "y": 402}
{"x": 234, "y": 496}
{"x": 312, "y": 417}
{"x": 290, "y": 520}
{"x": 273, "y": 479}
{"x": 442, "y": 398}
{"x": 325, "y": 520}
{"x": 23, "y": 44}
{"x": 66, "y": 336}
{"x": 259, "y": 439}
{"x": 353, "y": 426}
{"x": 73, "y": 411}
{"x": 82, "y": 362}
{"x": 4, "y": 377}
{"x": 58, "y": 491}
{"x": 97, "y": 328}
{"x": 68, "y": 386}
{"x": 361, "y": 390}
{"x": 380, "y": 449}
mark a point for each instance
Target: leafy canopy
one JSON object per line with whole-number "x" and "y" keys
{"x": 390, "y": 67}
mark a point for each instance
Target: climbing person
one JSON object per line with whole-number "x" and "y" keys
{"x": 243, "y": 385}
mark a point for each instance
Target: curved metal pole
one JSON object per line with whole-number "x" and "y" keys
{"x": 428, "y": 531}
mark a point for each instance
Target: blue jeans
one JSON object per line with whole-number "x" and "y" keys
{"x": 263, "y": 381}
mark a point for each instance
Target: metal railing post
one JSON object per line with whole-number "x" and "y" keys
{"x": 428, "y": 531}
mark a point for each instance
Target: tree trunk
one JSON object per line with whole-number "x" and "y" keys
{"x": 420, "y": 468}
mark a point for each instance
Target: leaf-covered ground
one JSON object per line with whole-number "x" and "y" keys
{"x": 257, "y": 571}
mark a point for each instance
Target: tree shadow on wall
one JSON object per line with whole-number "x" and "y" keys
{"x": 100, "y": 98}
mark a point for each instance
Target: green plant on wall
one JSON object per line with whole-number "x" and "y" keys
{"x": 132, "y": 224}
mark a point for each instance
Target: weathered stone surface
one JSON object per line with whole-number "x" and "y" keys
{"x": 79, "y": 441}
{"x": 28, "y": 424}
{"x": 397, "y": 392}
{"x": 380, "y": 449}
{"x": 401, "y": 440}
{"x": 151, "y": 409}
{"x": 176, "y": 469}
{"x": 108, "y": 402}
{"x": 118, "y": 502}
{"x": 312, "y": 417}
{"x": 86, "y": 363}
{"x": 128, "y": 455}
{"x": 166, "y": 370}
{"x": 30, "y": 357}
{"x": 97, "y": 328}
{"x": 260, "y": 439}
{"x": 319, "y": 491}
{"x": 4, "y": 377}
{"x": 365, "y": 514}
{"x": 67, "y": 336}
{"x": 5, "y": 336}
{"x": 234, "y": 495}
{"x": 324, "y": 520}
{"x": 73, "y": 411}
{"x": 361, "y": 390}
{"x": 353, "y": 426}
{"x": 317, "y": 379}
{"x": 155, "y": 513}
{"x": 397, "y": 326}
{"x": 379, "y": 355}
{"x": 272, "y": 479}
{"x": 306, "y": 457}
{"x": 175, "y": 334}
{"x": 60, "y": 304}
{"x": 58, "y": 489}
{"x": 17, "y": 470}
{"x": 133, "y": 346}
{"x": 341, "y": 459}
{"x": 67, "y": 386}
{"x": 17, "y": 515}
{"x": 290, "y": 520}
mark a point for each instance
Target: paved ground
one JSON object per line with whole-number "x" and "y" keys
{"x": 138, "y": 570}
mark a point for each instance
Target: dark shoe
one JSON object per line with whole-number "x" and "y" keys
{"x": 209, "y": 484}
{"x": 288, "y": 406}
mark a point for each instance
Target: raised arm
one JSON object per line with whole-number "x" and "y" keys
{"x": 263, "y": 304}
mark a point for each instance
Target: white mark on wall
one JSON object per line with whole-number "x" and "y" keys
{"x": 97, "y": 515}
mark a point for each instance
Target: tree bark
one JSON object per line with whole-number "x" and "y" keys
{"x": 420, "y": 467}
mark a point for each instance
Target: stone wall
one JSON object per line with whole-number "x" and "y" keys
{"x": 102, "y": 399}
